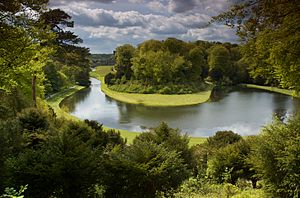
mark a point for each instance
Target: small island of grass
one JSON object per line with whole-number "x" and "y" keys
{"x": 149, "y": 99}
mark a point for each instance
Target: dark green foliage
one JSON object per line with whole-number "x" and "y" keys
{"x": 108, "y": 78}
{"x": 222, "y": 139}
{"x": 33, "y": 119}
{"x": 104, "y": 138}
{"x": 271, "y": 40}
{"x": 175, "y": 67}
{"x": 170, "y": 139}
{"x": 123, "y": 56}
{"x": 229, "y": 163}
{"x": 143, "y": 169}
{"x": 276, "y": 157}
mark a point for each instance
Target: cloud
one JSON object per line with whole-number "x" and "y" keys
{"x": 157, "y": 6}
{"x": 62, "y": 2}
{"x": 180, "y": 6}
{"x": 107, "y": 24}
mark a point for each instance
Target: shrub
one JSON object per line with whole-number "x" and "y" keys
{"x": 33, "y": 119}
{"x": 276, "y": 157}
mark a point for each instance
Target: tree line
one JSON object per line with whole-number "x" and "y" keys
{"x": 175, "y": 66}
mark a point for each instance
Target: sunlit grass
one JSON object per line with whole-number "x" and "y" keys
{"x": 149, "y": 99}
{"x": 273, "y": 89}
{"x": 57, "y": 98}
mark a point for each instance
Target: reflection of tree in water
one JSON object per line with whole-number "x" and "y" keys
{"x": 280, "y": 106}
{"x": 109, "y": 99}
{"x": 280, "y": 113}
{"x": 296, "y": 104}
{"x": 220, "y": 92}
{"x": 125, "y": 112}
{"x": 70, "y": 102}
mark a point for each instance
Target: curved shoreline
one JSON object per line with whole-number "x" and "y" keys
{"x": 56, "y": 100}
{"x": 150, "y": 99}
{"x": 272, "y": 89}
{"x": 156, "y": 99}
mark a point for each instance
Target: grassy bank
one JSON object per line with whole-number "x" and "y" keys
{"x": 149, "y": 99}
{"x": 273, "y": 89}
{"x": 56, "y": 99}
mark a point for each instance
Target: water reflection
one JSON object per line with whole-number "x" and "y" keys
{"x": 242, "y": 110}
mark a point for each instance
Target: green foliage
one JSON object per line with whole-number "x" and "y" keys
{"x": 170, "y": 139}
{"x": 175, "y": 67}
{"x": 228, "y": 164}
{"x": 12, "y": 193}
{"x": 143, "y": 169}
{"x": 219, "y": 62}
{"x": 123, "y": 56}
{"x": 275, "y": 157}
{"x": 33, "y": 119}
{"x": 222, "y": 139}
{"x": 270, "y": 31}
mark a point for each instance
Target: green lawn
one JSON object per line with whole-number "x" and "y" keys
{"x": 273, "y": 89}
{"x": 149, "y": 99}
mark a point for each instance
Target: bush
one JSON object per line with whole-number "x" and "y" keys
{"x": 33, "y": 119}
{"x": 108, "y": 79}
{"x": 276, "y": 157}
{"x": 143, "y": 169}
{"x": 222, "y": 139}
{"x": 165, "y": 90}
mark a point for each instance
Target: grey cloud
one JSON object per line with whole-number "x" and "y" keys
{"x": 181, "y": 6}
{"x": 61, "y": 2}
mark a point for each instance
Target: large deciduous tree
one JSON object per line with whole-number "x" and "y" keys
{"x": 270, "y": 32}
{"x": 23, "y": 52}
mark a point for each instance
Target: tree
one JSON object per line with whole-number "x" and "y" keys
{"x": 151, "y": 45}
{"x": 270, "y": 33}
{"x": 170, "y": 139}
{"x": 143, "y": 169}
{"x": 229, "y": 163}
{"x": 176, "y": 46}
{"x": 68, "y": 53}
{"x": 222, "y": 139}
{"x": 123, "y": 56}
{"x": 219, "y": 63}
{"x": 275, "y": 157}
{"x": 199, "y": 64}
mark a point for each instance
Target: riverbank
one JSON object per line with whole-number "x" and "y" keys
{"x": 272, "y": 89}
{"x": 57, "y": 98}
{"x": 149, "y": 99}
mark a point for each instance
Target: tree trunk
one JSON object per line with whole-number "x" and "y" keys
{"x": 34, "y": 90}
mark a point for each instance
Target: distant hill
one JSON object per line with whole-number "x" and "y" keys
{"x": 102, "y": 59}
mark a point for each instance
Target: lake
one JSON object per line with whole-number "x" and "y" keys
{"x": 244, "y": 111}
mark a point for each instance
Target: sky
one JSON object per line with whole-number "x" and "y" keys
{"x": 105, "y": 24}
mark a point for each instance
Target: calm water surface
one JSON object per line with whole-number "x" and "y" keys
{"x": 243, "y": 111}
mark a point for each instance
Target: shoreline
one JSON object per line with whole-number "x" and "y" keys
{"x": 158, "y": 100}
{"x": 57, "y": 98}
{"x": 272, "y": 89}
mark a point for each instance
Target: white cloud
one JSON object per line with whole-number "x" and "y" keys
{"x": 157, "y": 6}
{"x": 155, "y": 19}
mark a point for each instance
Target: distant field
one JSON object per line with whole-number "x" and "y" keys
{"x": 150, "y": 99}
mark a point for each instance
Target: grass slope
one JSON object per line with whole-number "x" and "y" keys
{"x": 149, "y": 99}
{"x": 273, "y": 89}
{"x": 56, "y": 99}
